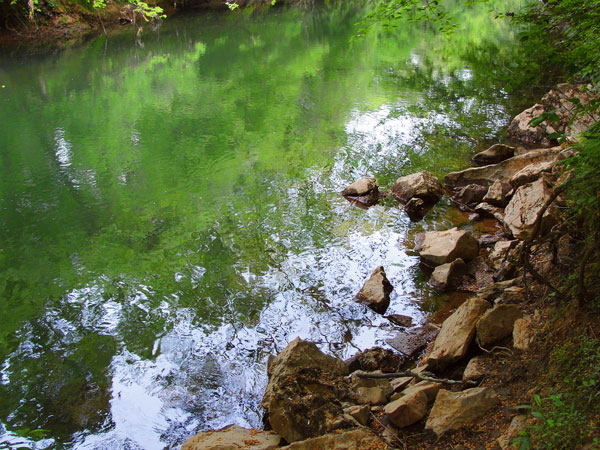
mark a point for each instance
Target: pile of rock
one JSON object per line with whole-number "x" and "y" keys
{"x": 315, "y": 401}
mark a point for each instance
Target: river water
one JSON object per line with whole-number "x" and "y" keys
{"x": 170, "y": 216}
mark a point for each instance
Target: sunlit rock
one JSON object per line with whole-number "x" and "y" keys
{"x": 232, "y": 437}
{"x": 457, "y": 333}
{"x": 441, "y": 247}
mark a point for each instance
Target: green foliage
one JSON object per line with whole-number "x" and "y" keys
{"x": 566, "y": 418}
{"x": 584, "y": 192}
{"x": 565, "y": 33}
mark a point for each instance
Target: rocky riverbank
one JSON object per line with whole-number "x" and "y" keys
{"x": 479, "y": 365}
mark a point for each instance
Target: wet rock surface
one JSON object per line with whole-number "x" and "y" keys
{"x": 412, "y": 341}
{"x": 375, "y": 293}
{"x": 502, "y": 171}
{"x": 363, "y": 192}
{"x": 423, "y": 185}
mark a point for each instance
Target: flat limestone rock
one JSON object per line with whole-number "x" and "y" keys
{"x": 232, "y": 437}
{"x": 375, "y": 293}
{"x": 453, "y": 410}
{"x": 457, "y": 333}
{"x": 502, "y": 171}
{"x": 412, "y": 341}
{"x": 357, "y": 439}
{"x": 441, "y": 247}
{"x": 497, "y": 323}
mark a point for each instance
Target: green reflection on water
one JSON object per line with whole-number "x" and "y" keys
{"x": 164, "y": 173}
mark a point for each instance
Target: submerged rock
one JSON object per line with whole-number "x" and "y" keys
{"x": 457, "y": 333}
{"x": 452, "y": 410}
{"x": 493, "y": 155}
{"x": 232, "y": 437}
{"x": 441, "y": 247}
{"x": 305, "y": 388}
{"x": 417, "y": 208}
{"x": 400, "y": 319}
{"x": 412, "y": 341}
{"x": 375, "y": 293}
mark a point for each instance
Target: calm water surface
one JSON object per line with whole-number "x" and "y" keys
{"x": 170, "y": 216}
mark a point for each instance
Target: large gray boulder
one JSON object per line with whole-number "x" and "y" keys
{"x": 502, "y": 171}
{"x": 441, "y": 247}
{"x": 493, "y": 155}
{"x": 457, "y": 333}
{"x": 232, "y": 437}
{"x": 497, "y": 324}
{"x": 453, "y": 410}
{"x": 375, "y": 293}
{"x": 522, "y": 210}
{"x": 423, "y": 185}
{"x": 305, "y": 388}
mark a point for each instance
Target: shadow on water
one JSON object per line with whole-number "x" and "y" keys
{"x": 170, "y": 214}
